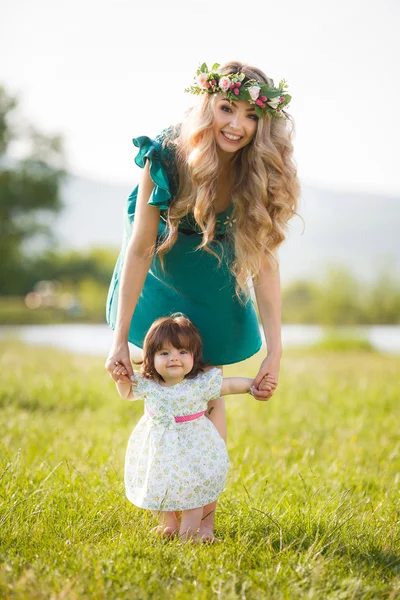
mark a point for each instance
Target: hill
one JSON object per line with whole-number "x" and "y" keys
{"x": 357, "y": 230}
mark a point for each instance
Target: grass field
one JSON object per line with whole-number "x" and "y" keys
{"x": 311, "y": 508}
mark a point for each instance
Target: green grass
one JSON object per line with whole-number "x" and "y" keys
{"x": 311, "y": 508}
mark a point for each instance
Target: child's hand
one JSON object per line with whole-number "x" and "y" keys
{"x": 119, "y": 371}
{"x": 268, "y": 383}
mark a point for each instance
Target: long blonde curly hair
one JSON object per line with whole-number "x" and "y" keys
{"x": 265, "y": 189}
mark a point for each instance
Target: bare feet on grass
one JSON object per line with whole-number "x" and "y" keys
{"x": 190, "y": 524}
{"x": 191, "y": 537}
{"x": 206, "y": 530}
{"x": 168, "y": 524}
{"x": 169, "y": 532}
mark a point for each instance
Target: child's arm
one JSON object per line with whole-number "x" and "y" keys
{"x": 236, "y": 385}
{"x": 242, "y": 385}
{"x": 124, "y": 389}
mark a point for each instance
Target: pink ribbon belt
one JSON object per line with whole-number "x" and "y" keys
{"x": 182, "y": 419}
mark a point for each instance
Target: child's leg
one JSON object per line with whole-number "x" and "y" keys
{"x": 218, "y": 417}
{"x": 190, "y": 523}
{"x": 168, "y": 522}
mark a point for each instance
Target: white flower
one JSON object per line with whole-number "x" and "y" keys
{"x": 229, "y": 221}
{"x": 274, "y": 102}
{"x": 202, "y": 80}
{"x": 254, "y": 92}
{"x": 224, "y": 83}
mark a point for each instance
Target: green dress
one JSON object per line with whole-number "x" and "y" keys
{"x": 193, "y": 282}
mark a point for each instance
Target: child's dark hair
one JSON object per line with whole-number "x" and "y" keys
{"x": 178, "y": 331}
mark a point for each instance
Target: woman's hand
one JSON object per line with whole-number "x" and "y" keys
{"x": 119, "y": 357}
{"x": 269, "y": 366}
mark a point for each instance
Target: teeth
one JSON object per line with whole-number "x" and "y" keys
{"x": 234, "y": 138}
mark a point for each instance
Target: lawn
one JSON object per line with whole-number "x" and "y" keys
{"x": 310, "y": 510}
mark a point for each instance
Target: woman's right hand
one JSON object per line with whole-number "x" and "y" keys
{"x": 119, "y": 355}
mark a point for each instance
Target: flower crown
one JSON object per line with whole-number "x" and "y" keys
{"x": 268, "y": 99}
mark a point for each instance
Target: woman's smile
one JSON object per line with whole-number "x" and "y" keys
{"x": 230, "y": 137}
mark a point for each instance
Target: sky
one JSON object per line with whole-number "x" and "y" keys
{"x": 101, "y": 73}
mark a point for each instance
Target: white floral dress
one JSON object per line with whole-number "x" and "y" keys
{"x": 173, "y": 465}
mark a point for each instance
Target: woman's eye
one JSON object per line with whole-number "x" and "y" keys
{"x": 226, "y": 108}
{"x": 183, "y": 352}
{"x": 254, "y": 117}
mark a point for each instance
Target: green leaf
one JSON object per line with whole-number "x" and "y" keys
{"x": 259, "y": 111}
{"x": 215, "y": 66}
{"x": 244, "y": 94}
{"x": 203, "y": 68}
{"x": 269, "y": 93}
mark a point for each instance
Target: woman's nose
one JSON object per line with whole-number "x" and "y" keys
{"x": 236, "y": 121}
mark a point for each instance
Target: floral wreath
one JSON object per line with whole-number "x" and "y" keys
{"x": 268, "y": 100}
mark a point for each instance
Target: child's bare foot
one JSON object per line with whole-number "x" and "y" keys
{"x": 190, "y": 523}
{"x": 168, "y": 524}
{"x": 206, "y": 530}
{"x": 189, "y": 536}
{"x": 165, "y": 531}
{"x": 209, "y": 538}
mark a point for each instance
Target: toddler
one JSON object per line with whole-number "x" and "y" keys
{"x": 176, "y": 460}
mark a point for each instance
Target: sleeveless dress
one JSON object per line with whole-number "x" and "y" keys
{"x": 193, "y": 282}
{"x": 173, "y": 465}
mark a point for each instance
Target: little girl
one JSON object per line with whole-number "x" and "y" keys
{"x": 176, "y": 460}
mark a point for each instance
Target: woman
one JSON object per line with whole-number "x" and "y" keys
{"x": 209, "y": 213}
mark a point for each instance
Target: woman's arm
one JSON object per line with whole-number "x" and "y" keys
{"x": 268, "y": 295}
{"x": 137, "y": 261}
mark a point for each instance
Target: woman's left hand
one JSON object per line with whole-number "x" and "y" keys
{"x": 269, "y": 366}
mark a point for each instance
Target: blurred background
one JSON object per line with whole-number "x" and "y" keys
{"x": 78, "y": 81}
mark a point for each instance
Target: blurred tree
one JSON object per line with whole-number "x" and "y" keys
{"x": 299, "y": 300}
{"x": 70, "y": 267}
{"x": 29, "y": 189}
{"x": 339, "y": 297}
{"x": 383, "y": 298}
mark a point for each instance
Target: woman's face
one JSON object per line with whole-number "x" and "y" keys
{"x": 235, "y": 124}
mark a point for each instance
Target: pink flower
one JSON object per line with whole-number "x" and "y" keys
{"x": 232, "y": 86}
{"x": 238, "y": 84}
{"x": 263, "y": 98}
{"x": 281, "y": 99}
{"x": 202, "y": 80}
{"x": 224, "y": 83}
{"x": 254, "y": 92}
{"x": 236, "y": 91}
{"x": 259, "y": 103}
{"x": 213, "y": 82}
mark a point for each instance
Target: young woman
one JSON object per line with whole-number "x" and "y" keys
{"x": 208, "y": 215}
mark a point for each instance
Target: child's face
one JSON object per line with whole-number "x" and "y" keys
{"x": 234, "y": 124}
{"x": 173, "y": 364}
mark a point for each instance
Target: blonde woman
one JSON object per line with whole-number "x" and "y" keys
{"x": 208, "y": 216}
